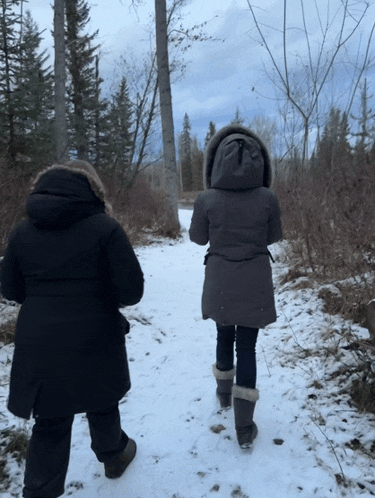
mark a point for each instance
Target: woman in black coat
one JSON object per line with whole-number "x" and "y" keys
{"x": 239, "y": 216}
{"x": 71, "y": 266}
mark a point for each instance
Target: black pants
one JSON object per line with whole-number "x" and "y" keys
{"x": 49, "y": 449}
{"x": 245, "y": 339}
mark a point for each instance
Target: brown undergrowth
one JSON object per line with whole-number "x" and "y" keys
{"x": 7, "y": 331}
{"x": 13, "y": 442}
{"x": 141, "y": 210}
{"x": 329, "y": 224}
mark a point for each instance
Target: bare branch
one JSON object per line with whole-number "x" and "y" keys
{"x": 316, "y": 73}
{"x": 363, "y": 68}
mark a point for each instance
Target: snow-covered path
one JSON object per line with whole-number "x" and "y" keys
{"x": 171, "y": 408}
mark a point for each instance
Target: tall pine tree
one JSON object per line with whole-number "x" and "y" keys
{"x": 9, "y": 47}
{"x": 117, "y": 139}
{"x": 82, "y": 90}
{"x": 334, "y": 151}
{"x": 185, "y": 156}
{"x": 211, "y": 132}
{"x": 197, "y": 165}
{"x": 33, "y": 96}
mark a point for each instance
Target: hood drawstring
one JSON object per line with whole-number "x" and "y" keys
{"x": 240, "y": 152}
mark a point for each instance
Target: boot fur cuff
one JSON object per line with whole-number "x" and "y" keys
{"x": 245, "y": 393}
{"x": 223, "y": 375}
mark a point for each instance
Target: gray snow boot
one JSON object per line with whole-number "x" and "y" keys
{"x": 114, "y": 468}
{"x": 244, "y": 401}
{"x": 224, "y": 381}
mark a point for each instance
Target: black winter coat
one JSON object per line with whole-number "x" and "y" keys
{"x": 239, "y": 216}
{"x": 72, "y": 267}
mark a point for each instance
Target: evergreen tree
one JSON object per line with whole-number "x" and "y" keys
{"x": 197, "y": 165}
{"x": 211, "y": 132}
{"x": 9, "y": 48}
{"x": 238, "y": 119}
{"x": 117, "y": 136}
{"x": 33, "y": 96}
{"x": 185, "y": 156}
{"x": 365, "y": 121}
{"x": 333, "y": 149}
{"x": 83, "y": 78}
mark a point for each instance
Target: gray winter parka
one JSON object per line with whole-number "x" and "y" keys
{"x": 239, "y": 216}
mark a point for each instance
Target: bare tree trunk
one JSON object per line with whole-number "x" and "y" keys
{"x": 60, "y": 110}
{"x": 169, "y": 151}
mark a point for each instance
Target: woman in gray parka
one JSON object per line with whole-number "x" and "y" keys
{"x": 239, "y": 216}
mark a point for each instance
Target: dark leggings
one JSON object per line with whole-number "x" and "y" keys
{"x": 245, "y": 339}
{"x": 49, "y": 449}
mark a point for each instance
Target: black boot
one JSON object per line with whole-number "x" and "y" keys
{"x": 115, "y": 467}
{"x": 244, "y": 401}
{"x": 224, "y": 381}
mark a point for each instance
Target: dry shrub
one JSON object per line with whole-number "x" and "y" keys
{"x": 14, "y": 187}
{"x": 363, "y": 395}
{"x": 14, "y": 442}
{"x": 141, "y": 210}
{"x": 4, "y": 476}
{"x": 7, "y": 331}
{"x": 292, "y": 275}
{"x": 187, "y": 199}
{"x": 350, "y": 302}
{"x": 329, "y": 222}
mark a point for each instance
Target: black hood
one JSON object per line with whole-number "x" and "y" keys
{"x": 60, "y": 199}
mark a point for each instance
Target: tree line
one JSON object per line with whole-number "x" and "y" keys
{"x": 111, "y": 132}
{"x": 344, "y": 140}
{"x": 191, "y": 153}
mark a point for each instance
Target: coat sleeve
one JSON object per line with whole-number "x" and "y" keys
{"x": 199, "y": 227}
{"x": 125, "y": 272}
{"x": 274, "y": 233}
{"x": 11, "y": 278}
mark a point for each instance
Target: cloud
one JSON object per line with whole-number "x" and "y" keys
{"x": 197, "y": 105}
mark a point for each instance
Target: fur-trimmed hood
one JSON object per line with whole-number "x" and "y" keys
{"x": 63, "y": 194}
{"x": 81, "y": 167}
{"x": 258, "y": 175}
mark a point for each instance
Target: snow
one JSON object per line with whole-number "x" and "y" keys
{"x": 172, "y": 407}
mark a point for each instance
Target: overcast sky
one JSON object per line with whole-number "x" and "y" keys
{"x": 228, "y": 72}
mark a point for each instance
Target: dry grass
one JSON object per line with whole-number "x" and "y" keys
{"x": 7, "y": 331}
{"x": 329, "y": 223}
{"x": 330, "y": 228}
{"x": 363, "y": 395}
{"x": 14, "y": 187}
{"x": 13, "y": 442}
{"x": 141, "y": 211}
{"x": 350, "y": 302}
{"x": 187, "y": 199}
